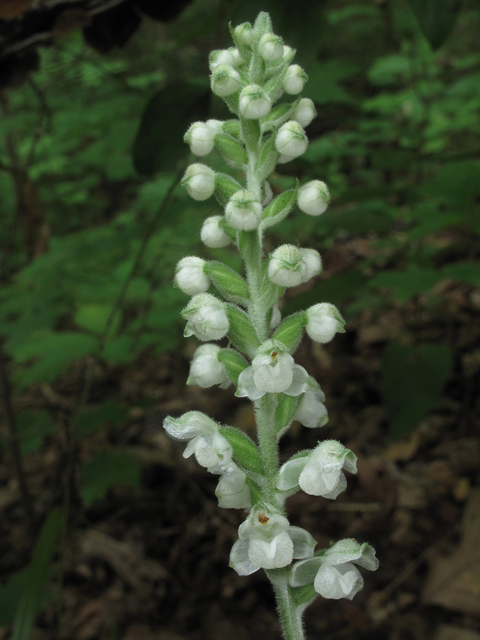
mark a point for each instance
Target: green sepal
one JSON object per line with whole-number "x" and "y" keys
{"x": 233, "y": 362}
{"x": 273, "y": 86}
{"x": 228, "y": 282}
{"x": 232, "y": 101}
{"x": 228, "y": 230}
{"x": 232, "y": 128}
{"x": 303, "y": 596}
{"x": 278, "y": 116}
{"x": 267, "y": 158}
{"x": 256, "y": 495}
{"x": 241, "y": 332}
{"x": 286, "y": 408}
{"x": 245, "y": 451}
{"x": 279, "y": 208}
{"x": 244, "y": 50}
{"x": 263, "y": 24}
{"x": 225, "y": 187}
{"x": 290, "y": 331}
{"x": 231, "y": 151}
{"x": 250, "y": 132}
{"x": 249, "y": 245}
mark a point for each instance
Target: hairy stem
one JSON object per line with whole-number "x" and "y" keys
{"x": 290, "y": 616}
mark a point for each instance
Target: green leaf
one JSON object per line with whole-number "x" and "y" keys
{"x": 10, "y": 594}
{"x": 91, "y": 419}
{"x": 159, "y": 142}
{"x": 241, "y": 331}
{"x": 408, "y": 283}
{"x": 228, "y": 282}
{"x": 323, "y": 86}
{"x": 94, "y": 317}
{"x": 279, "y": 208}
{"x": 108, "y": 469}
{"x": 245, "y": 451}
{"x": 290, "y": 331}
{"x": 56, "y": 351}
{"x": 436, "y": 18}
{"x": 233, "y": 362}
{"x": 38, "y": 574}
{"x": 32, "y": 428}
{"x": 335, "y": 291}
{"x": 286, "y": 408}
{"x": 413, "y": 378}
{"x": 466, "y": 271}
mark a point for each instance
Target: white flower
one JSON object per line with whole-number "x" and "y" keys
{"x": 333, "y": 573}
{"x": 270, "y": 47}
{"x": 287, "y": 267}
{"x": 206, "y": 370}
{"x": 320, "y": 472}
{"x": 232, "y": 490}
{"x": 311, "y": 411}
{"x": 221, "y": 56}
{"x": 244, "y": 33}
{"x": 211, "y": 449}
{"x": 313, "y": 197}
{"x": 199, "y": 181}
{"x": 283, "y": 159}
{"x": 212, "y": 233}
{"x": 323, "y": 322}
{"x": 294, "y": 80}
{"x": 225, "y": 80}
{"x": 206, "y": 318}
{"x": 243, "y": 211}
{"x": 237, "y": 58}
{"x": 190, "y": 276}
{"x": 200, "y": 136}
{"x": 254, "y": 103}
{"x": 273, "y": 370}
{"x": 313, "y": 263}
{"x": 305, "y": 112}
{"x": 266, "y": 540}
{"x": 291, "y": 139}
{"x": 216, "y": 125}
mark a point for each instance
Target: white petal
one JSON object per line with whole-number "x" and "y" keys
{"x": 247, "y": 387}
{"x": 299, "y": 382}
{"x": 271, "y": 555}
{"x": 290, "y": 473}
{"x": 303, "y": 542}
{"x": 304, "y": 572}
{"x": 239, "y": 559}
{"x": 342, "y": 581}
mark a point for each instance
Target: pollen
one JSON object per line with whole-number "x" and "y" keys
{"x": 274, "y": 355}
{"x": 262, "y": 518}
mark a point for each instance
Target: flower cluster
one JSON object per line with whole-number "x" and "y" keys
{"x": 258, "y": 359}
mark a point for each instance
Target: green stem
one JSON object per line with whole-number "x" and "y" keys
{"x": 267, "y": 440}
{"x": 289, "y": 614}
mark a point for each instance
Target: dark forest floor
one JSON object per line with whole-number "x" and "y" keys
{"x": 154, "y": 565}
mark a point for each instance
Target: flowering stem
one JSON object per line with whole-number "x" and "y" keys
{"x": 289, "y": 614}
{"x": 267, "y": 440}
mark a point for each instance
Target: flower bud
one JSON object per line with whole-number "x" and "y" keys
{"x": 276, "y": 318}
{"x": 199, "y": 181}
{"x": 200, "y": 136}
{"x": 294, "y": 79}
{"x": 270, "y": 47}
{"x": 314, "y": 197}
{"x": 243, "y": 212}
{"x": 237, "y": 58}
{"x": 225, "y": 80}
{"x": 212, "y": 233}
{"x": 206, "y": 318}
{"x": 323, "y": 322}
{"x": 216, "y": 125}
{"x": 232, "y": 490}
{"x": 283, "y": 159}
{"x": 190, "y": 276}
{"x": 287, "y": 267}
{"x": 291, "y": 139}
{"x": 254, "y": 102}
{"x": 305, "y": 112}
{"x": 244, "y": 33}
{"x": 206, "y": 369}
{"x": 221, "y": 56}
{"x": 313, "y": 263}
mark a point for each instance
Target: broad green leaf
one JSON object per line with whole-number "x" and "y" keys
{"x": 32, "y": 428}
{"x": 245, "y": 451}
{"x": 37, "y": 576}
{"x": 159, "y": 142}
{"x": 10, "y": 594}
{"x": 466, "y": 271}
{"x": 55, "y": 352}
{"x": 412, "y": 380}
{"x": 323, "y": 85}
{"x": 408, "y": 283}
{"x": 94, "y": 317}
{"x": 436, "y": 18}
{"x": 89, "y": 420}
{"x": 108, "y": 469}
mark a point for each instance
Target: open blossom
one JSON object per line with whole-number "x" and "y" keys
{"x": 206, "y": 370}
{"x": 321, "y": 472}
{"x": 211, "y": 449}
{"x": 206, "y": 318}
{"x": 311, "y": 411}
{"x": 266, "y": 540}
{"x": 273, "y": 370}
{"x": 232, "y": 490}
{"x": 333, "y": 572}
